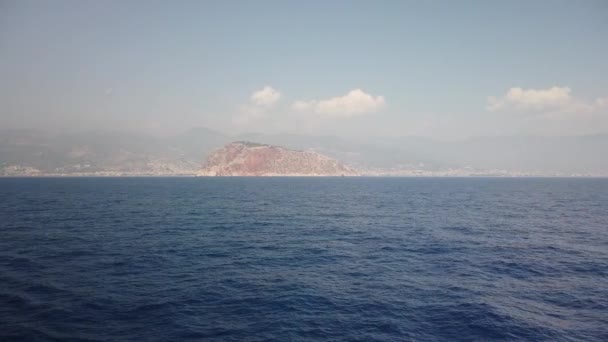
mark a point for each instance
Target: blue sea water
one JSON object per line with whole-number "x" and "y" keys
{"x": 303, "y": 259}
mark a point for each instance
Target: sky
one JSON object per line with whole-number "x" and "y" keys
{"x": 441, "y": 69}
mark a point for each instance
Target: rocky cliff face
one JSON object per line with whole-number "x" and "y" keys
{"x": 251, "y": 159}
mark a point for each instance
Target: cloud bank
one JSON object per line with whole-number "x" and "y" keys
{"x": 554, "y": 99}
{"x": 356, "y": 102}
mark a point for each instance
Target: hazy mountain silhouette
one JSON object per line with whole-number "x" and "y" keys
{"x": 184, "y": 153}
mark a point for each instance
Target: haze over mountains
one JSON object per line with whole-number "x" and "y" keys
{"x": 33, "y": 152}
{"x": 390, "y": 97}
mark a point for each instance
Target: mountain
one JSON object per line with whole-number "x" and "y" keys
{"x": 31, "y": 152}
{"x": 196, "y": 143}
{"x": 253, "y": 159}
{"x": 509, "y": 155}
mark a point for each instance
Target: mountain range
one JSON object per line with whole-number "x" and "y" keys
{"x": 33, "y": 152}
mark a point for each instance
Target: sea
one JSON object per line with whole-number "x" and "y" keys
{"x": 303, "y": 259}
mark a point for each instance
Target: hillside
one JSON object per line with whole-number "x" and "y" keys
{"x": 251, "y": 159}
{"x": 115, "y": 153}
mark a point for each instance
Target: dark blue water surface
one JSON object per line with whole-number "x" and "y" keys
{"x": 303, "y": 259}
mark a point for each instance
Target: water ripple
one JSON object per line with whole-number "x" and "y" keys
{"x": 297, "y": 259}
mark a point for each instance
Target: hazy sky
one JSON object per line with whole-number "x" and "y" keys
{"x": 435, "y": 68}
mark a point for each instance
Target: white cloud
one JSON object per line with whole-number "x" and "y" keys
{"x": 531, "y": 99}
{"x": 552, "y": 110}
{"x": 550, "y": 102}
{"x": 259, "y": 103}
{"x": 356, "y": 102}
{"x": 265, "y": 97}
{"x": 601, "y": 102}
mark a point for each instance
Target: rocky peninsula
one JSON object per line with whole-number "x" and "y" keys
{"x": 243, "y": 158}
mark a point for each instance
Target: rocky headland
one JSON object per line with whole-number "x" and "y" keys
{"x": 252, "y": 159}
